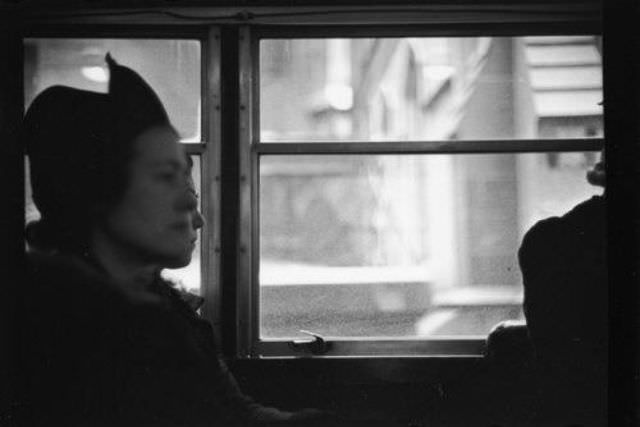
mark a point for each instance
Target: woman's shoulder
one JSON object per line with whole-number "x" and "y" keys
{"x": 589, "y": 212}
{"x": 62, "y": 272}
{"x": 593, "y": 209}
{"x": 69, "y": 287}
{"x": 542, "y": 232}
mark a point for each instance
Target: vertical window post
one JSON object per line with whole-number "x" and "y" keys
{"x": 211, "y": 203}
{"x": 247, "y": 294}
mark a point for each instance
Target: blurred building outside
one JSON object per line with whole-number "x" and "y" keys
{"x": 420, "y": 245}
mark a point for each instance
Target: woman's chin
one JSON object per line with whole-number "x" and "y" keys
{"x": 176, "y": 260}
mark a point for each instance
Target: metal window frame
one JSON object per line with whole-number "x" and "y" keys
{"x": 210, "y": 284}
{"x": 208, "y": 149}
{"x": 307, "y": 13}
{"x": 249, "y": 344}
{"x": 247, "y": 295}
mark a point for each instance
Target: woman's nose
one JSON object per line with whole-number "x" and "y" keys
{"x": 198, "y": 220}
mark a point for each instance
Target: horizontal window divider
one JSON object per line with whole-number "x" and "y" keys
{"x": 368, "y": 347}
{"x": 569, "y": 66}
{"x": 576, "y": 89}
{"x": 194, "y": 148}
{"x": 432, "y": 147}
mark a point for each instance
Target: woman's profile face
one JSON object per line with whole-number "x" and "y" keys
{"x": 157, "y": 217}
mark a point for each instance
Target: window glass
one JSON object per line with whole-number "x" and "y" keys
{"x": 403, "y": 245}
{"x": 456, "y": 88}
{"x": 187, "y": 277}
{"x": 171, "y": 67}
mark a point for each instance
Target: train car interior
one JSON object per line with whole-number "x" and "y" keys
{"x": 367, "y": 172}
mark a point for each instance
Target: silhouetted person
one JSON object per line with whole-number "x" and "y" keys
{"x": 564, "y": 268}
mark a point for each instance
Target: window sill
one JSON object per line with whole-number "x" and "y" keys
{"x": 380, "y": 348}
{"x": 345, "y": 370}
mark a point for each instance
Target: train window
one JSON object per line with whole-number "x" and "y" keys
{"x": 392, "y": 180}
{"x": 384, "y": 181}
{"x": 173, "y": 69}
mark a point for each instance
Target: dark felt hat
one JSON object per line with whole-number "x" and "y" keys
{"x": 69, "y": 134}
{"x": 136, "y": 106}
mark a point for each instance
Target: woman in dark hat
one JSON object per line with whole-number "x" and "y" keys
{"x": 104, "y": 339}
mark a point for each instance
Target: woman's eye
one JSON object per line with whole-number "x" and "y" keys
{"x": 168, "y": 176}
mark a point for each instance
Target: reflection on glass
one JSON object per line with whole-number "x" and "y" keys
{"x": 187, "y": 277}
{"x": 172, "y": 68}
{"x": 403, "y": 245}
{"x": 388, "y": 89}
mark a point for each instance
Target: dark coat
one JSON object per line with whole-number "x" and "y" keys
{"x": 93, "y": 355}
{"x": 564, "y": 269}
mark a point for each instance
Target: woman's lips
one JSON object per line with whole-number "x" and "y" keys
{"x": 185, "y": 227}
{"x": 181, "y": 225}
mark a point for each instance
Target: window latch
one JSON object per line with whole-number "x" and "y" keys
{"x": 317, "y": 346}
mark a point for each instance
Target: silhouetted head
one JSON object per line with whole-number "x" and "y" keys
{"x": 597, "y": 175}
{"x": 90, "y": 154}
